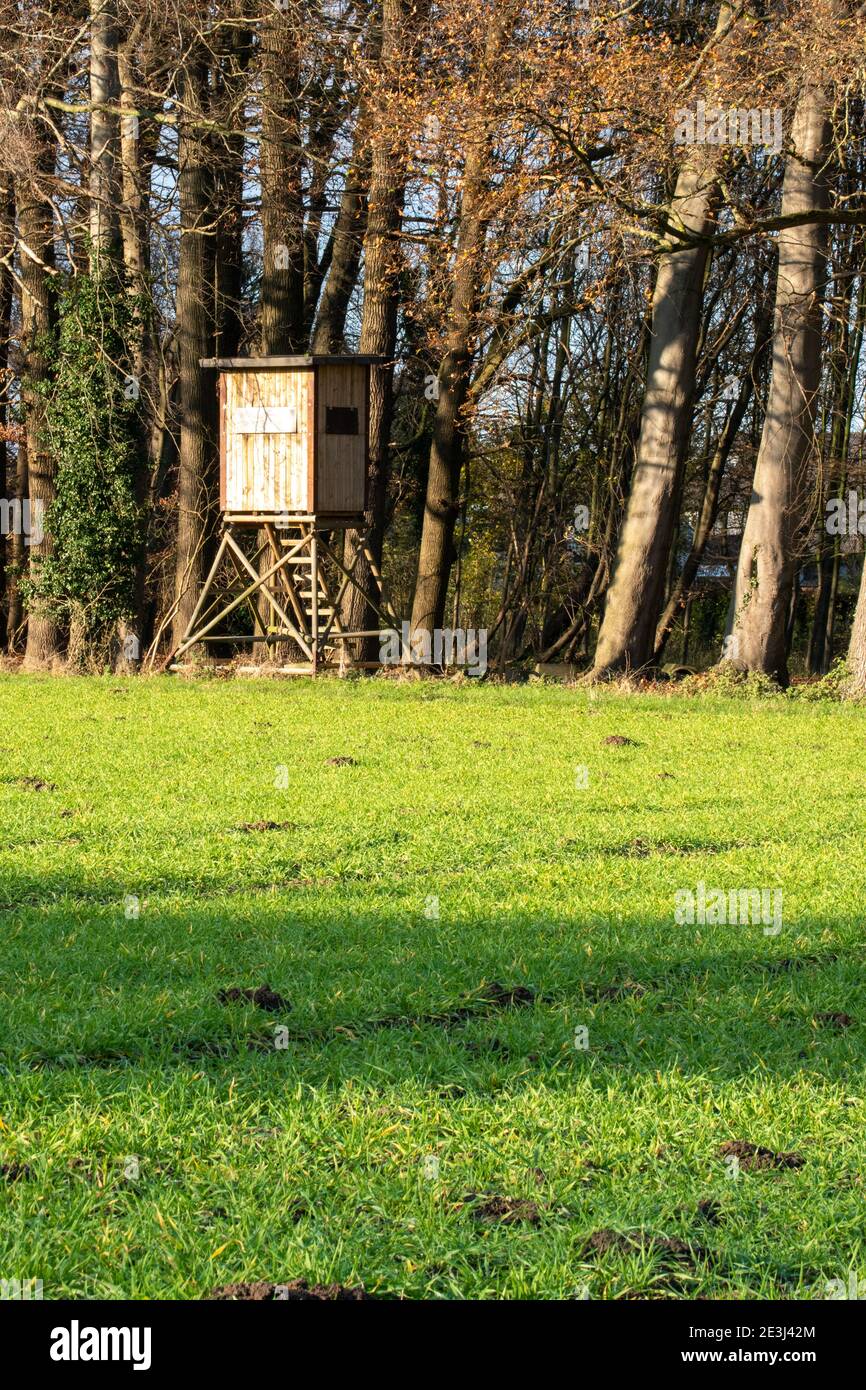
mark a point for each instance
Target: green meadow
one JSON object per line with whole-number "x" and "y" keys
{"x": 498, "y": 1067}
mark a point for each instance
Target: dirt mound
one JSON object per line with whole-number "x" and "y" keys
{"x": 36, "y": 784}
{"x": 296, "y": 1290}
{"x": 627, "y": 1242}
{"x": 248, "y": 827}
{"x": 264, "y": 998}
{"x": 510, "y": 1211}
{"x": 15, "y": 1172}
{"x": 752, "y": 1156}
{"x": 507, "y": 996}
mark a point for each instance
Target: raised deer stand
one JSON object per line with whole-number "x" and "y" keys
{"x": 293, "y": 471}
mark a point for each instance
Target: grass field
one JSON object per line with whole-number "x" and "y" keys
{"x": 413, "y": 1128}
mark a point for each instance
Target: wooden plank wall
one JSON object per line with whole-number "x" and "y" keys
{"x": 267, "y": 472}
{"x": 342, "y": 458}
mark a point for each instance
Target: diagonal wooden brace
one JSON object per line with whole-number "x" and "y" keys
{"x": 259, "y": 582}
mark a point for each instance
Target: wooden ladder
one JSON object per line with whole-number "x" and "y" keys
{"x": 298, "y": 583}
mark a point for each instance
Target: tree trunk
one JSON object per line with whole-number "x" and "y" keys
{"x": 282, "y": 207}
{"x": 7, "y": 243}
{"x": 105, "y": 184}
{"x": 765, "y": 571}
{"x": 112, "y": 232}
{"x": 281, "y": 309}
{"x": 627, "y": 635}
{"x": 17, "y": 556}
{"x": 441, "y": 503}
{"x": 628, "y": 628}
{"x": 138, "y": 144}
{"x": 195, "y": 333}
{"x": 38, "y": 317}
{"x": 856, "y": 684}
{"x": 347, "y": 239}
{"x": 843, "y": 397}
{"x": 228, "y": 195}
{"x": 680, "y": 595}
{"x": 379, "y": 331}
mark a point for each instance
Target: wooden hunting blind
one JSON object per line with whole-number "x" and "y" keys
{"x": 293, "y": 436}
{"x": 293, "y": 466}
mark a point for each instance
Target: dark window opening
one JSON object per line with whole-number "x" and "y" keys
{"x": 341, "y": 419}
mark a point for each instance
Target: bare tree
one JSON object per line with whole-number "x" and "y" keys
{"x": 455, "y": 372}
{"x": 765, "y": 573}
{"x": 195, "y": 334}
{"x": 280, "y": 163}
{"x": 38, "y": 316}
{"x": 379, "y": 320}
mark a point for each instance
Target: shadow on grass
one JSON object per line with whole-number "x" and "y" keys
{"x": 511, "y": 999}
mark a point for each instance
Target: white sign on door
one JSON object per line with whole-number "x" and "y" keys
{"x": 265, "y": 419}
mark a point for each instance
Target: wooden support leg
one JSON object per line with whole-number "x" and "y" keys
{"x": 364, "y": 546}
{"x": 314, "y": 598}
{"x": 298, "y": 612}
{"x": 259, "y": 581}
{"x": 382, "y": 609}
{"x": 190, "y": 627}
